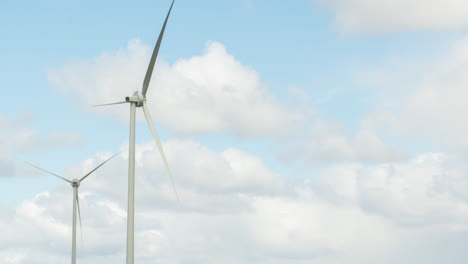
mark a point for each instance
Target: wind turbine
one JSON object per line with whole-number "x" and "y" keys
{"x": 138, "y": 99}
{"x": 75, "y": 183}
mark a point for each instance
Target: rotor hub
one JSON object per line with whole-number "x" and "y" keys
{"x": 75, "y": 183}
{"x": 137, "y": 98}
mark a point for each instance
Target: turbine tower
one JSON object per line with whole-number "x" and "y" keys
{"x": 75, "y": 183}
{"x": 138, "y": 99}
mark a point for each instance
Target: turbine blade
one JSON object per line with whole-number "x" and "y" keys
{"x": 84, "y": 177}
{"x": 158, "y": 143}
{"x": 77, "y": 199}
{"x": 109, "y": 104}
{"x": 149, "y": 72}
{"x": 48, "y": 172}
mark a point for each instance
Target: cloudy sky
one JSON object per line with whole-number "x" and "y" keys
{"x": 309, "y": 131}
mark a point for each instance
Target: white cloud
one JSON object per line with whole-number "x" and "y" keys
{"x": 421, "y": 193}
{"x": 306, "y": 228}
{"x": 229, "y": 175}
{"x": 381, "y": 16}
{"x": 12, "y": 257}
{"x": 426, "y": 102}
{"x": 212, "y": 185}
{"x": 234, "y": 209}
{"x": 413, "y": 194}
{"x": 208, "y": 93}
{"x": 214, "y": 92}
{"x": 17, "y": 137}
{"x": 327, "y": 141}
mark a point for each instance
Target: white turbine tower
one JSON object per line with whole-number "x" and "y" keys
{"x": 75, "y": 183}
{"x": 139, "y": 100}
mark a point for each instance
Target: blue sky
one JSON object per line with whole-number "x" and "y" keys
{"x": 326, "y": 109}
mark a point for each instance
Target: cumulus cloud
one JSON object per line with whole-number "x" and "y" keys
{"x": 419, "y": 194}
{"x": 247, "y": 214}
{"x": 213, "y": 185}
{"x": 17, "y": 137}
{"x": 211, "y": 92}
{"x": 327, "y": 141}
{"x": 16, "y": 134}
{"x": 307, "y": 228}
{"x": 425, "y": 104}
{"x": 381, "y": 16}
{"x": 229, "y": 173}
{"x": 414, "y": 194}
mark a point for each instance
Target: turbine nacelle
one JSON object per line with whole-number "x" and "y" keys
{"x": 75, "y": 183}
{"x": 137, "y": 98}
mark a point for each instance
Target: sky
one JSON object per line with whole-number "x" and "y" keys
{"x": 312, "y": 131}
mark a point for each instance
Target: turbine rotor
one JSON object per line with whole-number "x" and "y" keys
{"x": 137, "y": 98}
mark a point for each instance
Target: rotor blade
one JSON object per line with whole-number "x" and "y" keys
{"x": 109, "y": 104}
{"x": 48, "y": 172}
{"x": 84, "y": 177}
{"x": 77, "y": 198}
{"x": 149, "y": 72}
{"x": 158, "y": 143}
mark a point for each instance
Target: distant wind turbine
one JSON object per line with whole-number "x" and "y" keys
{"x": 76, "y": 201}
{"x": 139, "y": 100}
